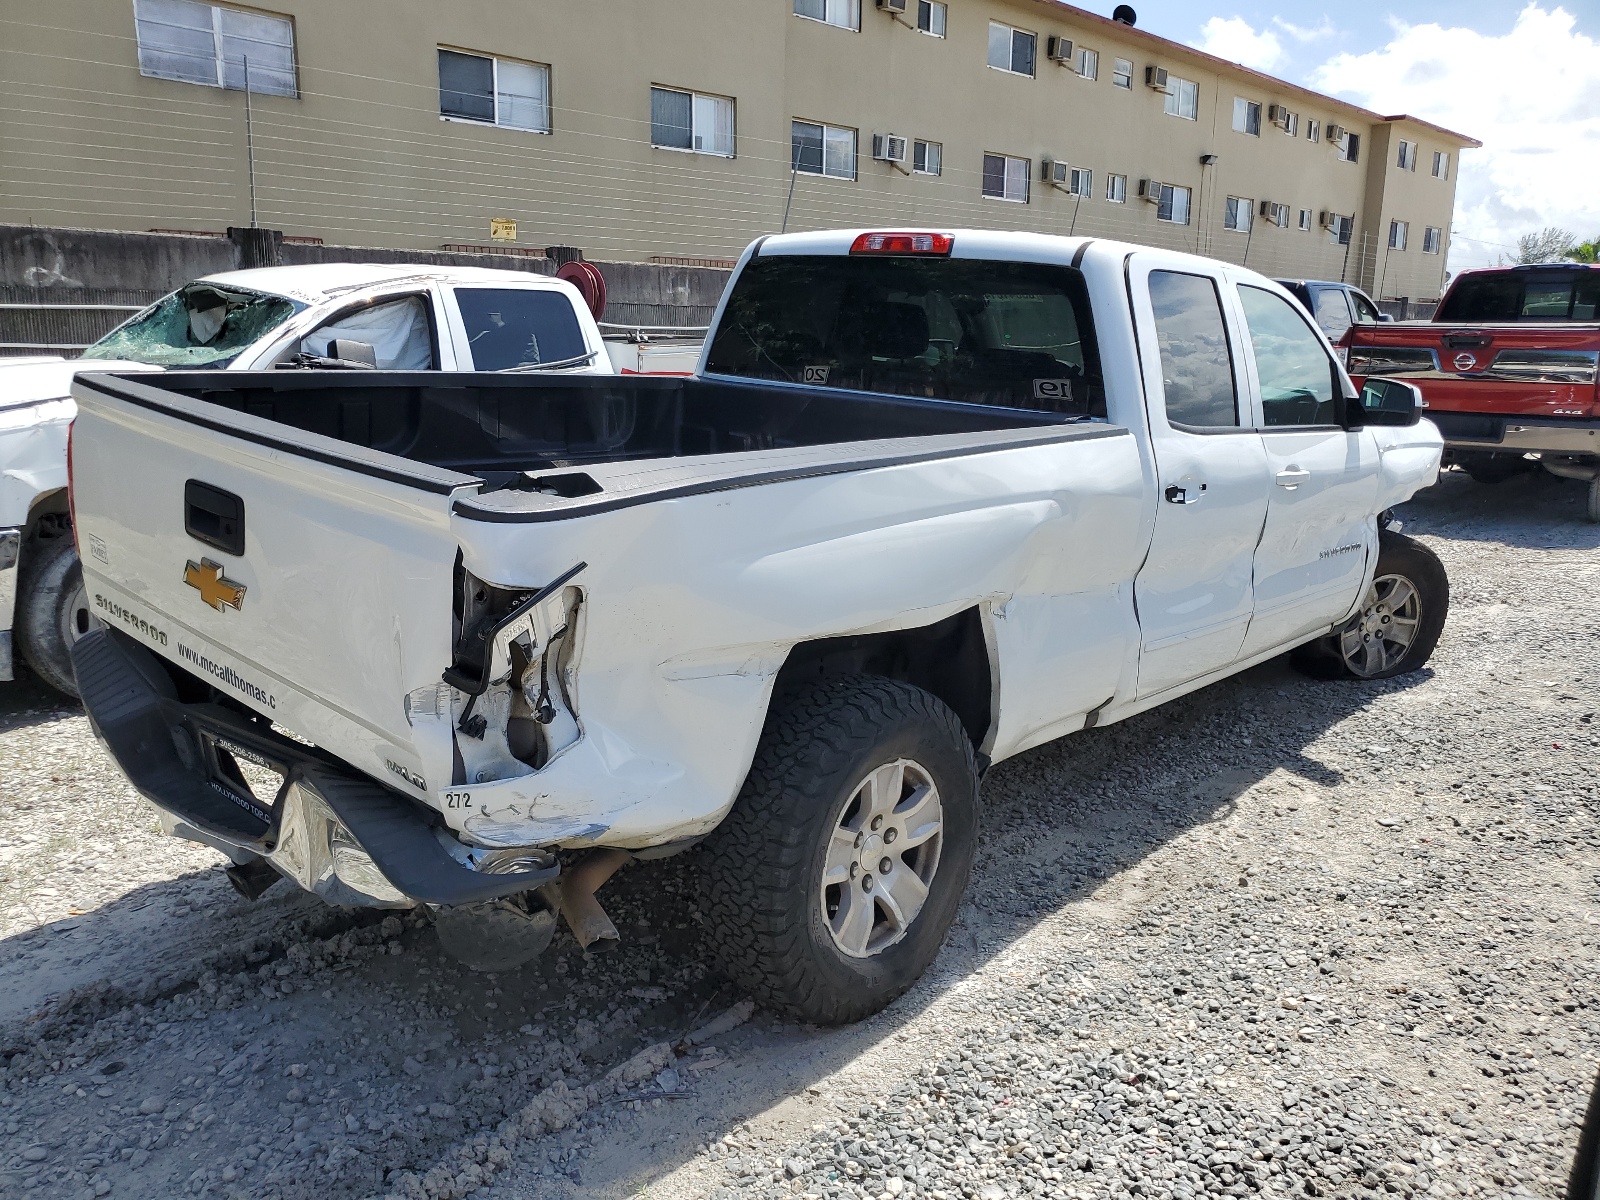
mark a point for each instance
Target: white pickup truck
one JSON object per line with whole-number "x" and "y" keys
{"x": 400, "y": 318}
{"x": 932, "y": 499}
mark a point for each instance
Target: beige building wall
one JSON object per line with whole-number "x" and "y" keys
{"x": 362, "y": 156}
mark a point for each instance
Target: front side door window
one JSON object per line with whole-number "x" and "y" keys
{"x": 1332, "y": 311}
{"x": 399, "y": 330}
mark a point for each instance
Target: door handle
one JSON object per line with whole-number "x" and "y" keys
{"x": 1190, "y": 494}
{"x": 1292, "y": 478}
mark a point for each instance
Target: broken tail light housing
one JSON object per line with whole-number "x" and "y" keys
{"x": 939, "y": 244}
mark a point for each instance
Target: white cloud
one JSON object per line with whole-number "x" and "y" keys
{"x": 1234, "y": 39}
{"x": 1532, "y": 96}
{"x": 1306, "y": 33}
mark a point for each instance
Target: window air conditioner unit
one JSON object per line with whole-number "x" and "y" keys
{"x": 1269, "y": 208}
{"x": 1057, "y": 173}
{"x": 1277, "y": 114}
{"x": 1058, "y": 49}
{"x": 889, "y": 148}
{"x": 1328, "y": 220}
{"x": 1150, "y": 189}
{"x": 1156, "y": 77}
{"x": 893, "y": 6}
{"x": 1335, "y": 132}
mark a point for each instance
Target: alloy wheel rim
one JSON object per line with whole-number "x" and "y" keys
{"x": 1380, "y": 635}
{"x": 881, "y": 858}
{"x": 76, "y": 619}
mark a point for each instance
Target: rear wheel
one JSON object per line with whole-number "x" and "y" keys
{"x": 52, "y": 606}
{"x": 839, "y": 870}
{"x": 1594, "y": 500}
{"x": 1399, "y": 623}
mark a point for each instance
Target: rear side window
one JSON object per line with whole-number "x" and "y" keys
{"x": 1523, "y": 296}
{"x": 1016, "y": 335}
{"x": 1298, "y": 384}
{"x": 1196, "y": 364}
{"x": 519, "y": 327}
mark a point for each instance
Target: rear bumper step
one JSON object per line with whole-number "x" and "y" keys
{"x": 329, "y": 828}
{"x": 1519, "y": 435}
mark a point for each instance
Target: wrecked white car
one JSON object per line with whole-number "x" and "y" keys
{"x": 330, "y": 315}
{"x": 932, "y": 499}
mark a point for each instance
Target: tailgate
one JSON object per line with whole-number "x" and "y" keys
{"x": 309, "y": 578}
{"x": 1513, "y": 369}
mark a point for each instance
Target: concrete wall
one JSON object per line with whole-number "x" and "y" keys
{"x": 362, "y": 156}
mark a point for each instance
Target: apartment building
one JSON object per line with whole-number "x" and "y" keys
{"x": 642, "y": 130}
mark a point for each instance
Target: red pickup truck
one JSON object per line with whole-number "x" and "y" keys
{"x": 1509, "y": 367}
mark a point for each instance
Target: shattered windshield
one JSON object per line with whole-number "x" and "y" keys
{"x": 201, "y": 325}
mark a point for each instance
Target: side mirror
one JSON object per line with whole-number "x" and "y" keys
{"x": 1386, "y": 318}
{"x": 352, "y": 351}
{"x": 1391, "y": 402}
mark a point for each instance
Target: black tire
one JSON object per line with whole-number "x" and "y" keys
{"x": 1583, "y": 1182}
{"x": 764, "y": 864}
{"x": 52, "y": 610}
{"x": 1407, "y": 559}
{"x": 1593, "y": 511}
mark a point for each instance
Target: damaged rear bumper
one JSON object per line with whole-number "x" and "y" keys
{"x": 332, "y": 830}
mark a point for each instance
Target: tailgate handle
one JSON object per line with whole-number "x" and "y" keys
{"x": 213, "y": 516}
{"x": 1463, "y": 341}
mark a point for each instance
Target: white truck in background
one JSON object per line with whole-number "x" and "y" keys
{"x": 394, "y": 318}
{"x": 933, "y": 498}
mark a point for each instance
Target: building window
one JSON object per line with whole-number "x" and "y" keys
{"x": 1313, "y": 130}
{"x": 1011, "y": 49}
{"x": 927, "y": 158}
{"x": 846, "y": 14}
{"x": 1122, "y": 73}
{"x": 209, "y": 43}
{"x": 1006, "y": 178}
{"x": 1174, "y": 205}
{"x": 1441, "y": 165}
{"x": 1080, "y": 182}
{"x": 1246, "y": 117}
{"x": 1406, "y": 159}
{"x": 1432, "y": 237}
{"x": 1089, "y": 64}
{"x": 930, "y": 17}
{"x": 1305, "y": 219}
{"x": 494, "y": 91}
{"x": 1291, "y": 124}
{"x": 1350, "y": 147}
{"x": 1183, "y": 99}
{"x": 1341, "y": 228}
{"x": 690, "y": 121}
{"x": 1398, "y": 231}
{"x": 1117, "y": 189}
{"x": 823, "y": 150}
{"x": 1237, "y": 215}
{"x": 1280, "y": 215}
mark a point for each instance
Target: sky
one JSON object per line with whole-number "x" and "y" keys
{"x": 1524, "y": 79}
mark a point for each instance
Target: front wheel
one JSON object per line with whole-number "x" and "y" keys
{"x": 1594, "y": 500}
{"x": 52, "y": 608}
{"x": 1399, "y": 623}
{"x": 839, "y": 870}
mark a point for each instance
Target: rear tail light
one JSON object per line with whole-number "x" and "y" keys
{"x": 72, "y": 503}
{"x": 903, "y": 243}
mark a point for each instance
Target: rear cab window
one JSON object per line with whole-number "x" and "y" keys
{"x": 508, "y": 328}
{"x": 1524, "y": 296}
{"x": 970, "y": 331}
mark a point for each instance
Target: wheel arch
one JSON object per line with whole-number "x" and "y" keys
{"x": 951, "y": 658}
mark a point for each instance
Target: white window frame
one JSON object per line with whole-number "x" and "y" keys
{"x": 841, "y": 14}
{"x": 925, "y": 146}
{"x": 1016, "y": 170}
{"x": 1122, "y": 73}
{"x": 494, "y": 83}
{"x": 221, "y": 59}
{"x": 1441, "y": 164}
{"x": 932, "y": 9}
{"x": 1291, "y": 125}
{"x": 1305, "y": 220}
{"x": 1344, "y": 147}
{"x": 855, "y": 149}
{"x": 1313, "y": 130}
{"x": 1080, "y": 182}
{"x": 1011, "y": 52}
{"x": 1399, "y": 234}
{"x": 697, "y": 103}
{"x": 1432, "y": 239}
{"x": 1238, "y": 209}
{"x": 1177, "y": 90}
{"x": 1406, "y": 158}
{"x": 1247, "y": 116}
{"x": 1088, "y": 63}
{"x": 1117, "y": 189}
{"x": 1169, "y": 202}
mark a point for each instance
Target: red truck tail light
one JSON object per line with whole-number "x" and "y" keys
{"x": 903, "y": 243}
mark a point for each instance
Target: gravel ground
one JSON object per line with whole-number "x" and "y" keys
{"x": 1281, "y": 936}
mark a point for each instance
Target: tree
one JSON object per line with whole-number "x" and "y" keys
{"x": 1587, "y": 252}
{"x": 1548, "y": 245}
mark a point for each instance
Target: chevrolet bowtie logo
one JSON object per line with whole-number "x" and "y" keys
{"x": 206, "y": 578}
